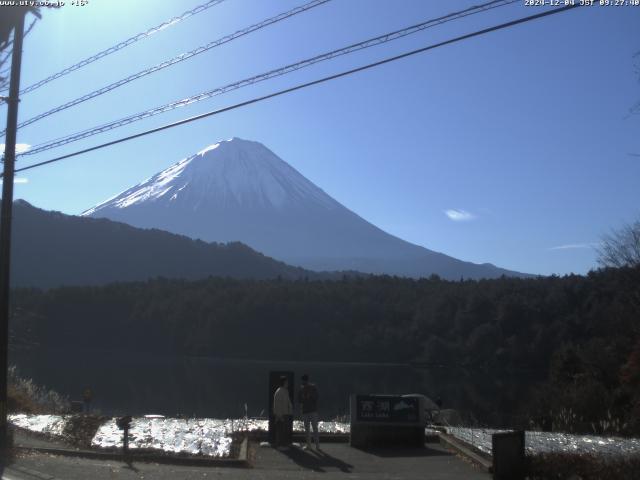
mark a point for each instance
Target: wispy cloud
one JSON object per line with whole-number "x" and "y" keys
{"x": 458, "y": 215}
{"x": 20, "y": 147}
{"x": 18, "y": 180}
{"x": 575, "y": 246}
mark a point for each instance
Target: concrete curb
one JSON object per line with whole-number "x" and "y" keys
{"x": 431, "y": 438}
{"x": 28, "y": 471}
{"x": 147, "y": 456}
{"x": 262, "y": 436}
{"x": 243, "y": 452}
{"x": 465, "y": 450}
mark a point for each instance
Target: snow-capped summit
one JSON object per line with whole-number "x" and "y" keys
{"x": 239, "y": 190}
{"x": 233, "y": 172}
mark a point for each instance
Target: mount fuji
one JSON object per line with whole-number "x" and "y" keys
{"x": 239, "y": 190}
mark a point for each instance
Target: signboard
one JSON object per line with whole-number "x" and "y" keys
{"x": 387, "y": 409}
{"x": 386, "y": 420}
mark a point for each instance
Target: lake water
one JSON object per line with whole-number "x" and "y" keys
{"x": 142, "y": 384}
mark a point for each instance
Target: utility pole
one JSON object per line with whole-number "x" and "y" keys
{"x": 5, "y": 222}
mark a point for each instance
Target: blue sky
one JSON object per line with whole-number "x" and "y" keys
{"x": 514, "y": 148}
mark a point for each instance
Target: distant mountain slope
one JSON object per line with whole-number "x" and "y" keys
{"x": 53, "y": 249}
{"x": 238, "y": 190}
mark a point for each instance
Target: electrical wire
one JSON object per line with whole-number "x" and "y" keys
{"x": 267, "y": 75}
{"x": 175, "y": 60}
{"x": 125, "y": 43}
{"x": 308, "y": 84}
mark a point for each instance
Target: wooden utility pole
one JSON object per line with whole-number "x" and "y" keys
{"x": 5, "y": 222}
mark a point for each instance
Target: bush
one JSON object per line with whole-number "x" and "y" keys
{"x": 24, "y": 396}
{"x": 559, "y": 466}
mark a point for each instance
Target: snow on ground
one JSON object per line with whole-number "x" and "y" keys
{"x": 195, "y": 436}
{"x": 544, "y": 442}
{"x": 212, "y": 437}
{"x": 200, "y": 436}
{"x": 203, "y": 436}
{"x": 49, "y": 424}
{"x": 323, "y": 427}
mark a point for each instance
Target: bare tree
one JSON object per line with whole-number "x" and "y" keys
{"x": 621, "y": 248}
{"x": 9, "y": 16}
{"x": 635, "y": 109}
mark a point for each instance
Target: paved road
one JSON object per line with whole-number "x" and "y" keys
{"x": 335, "y": 462}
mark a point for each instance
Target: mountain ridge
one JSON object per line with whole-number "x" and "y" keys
{"x": 239, "y": 190}
{"x": 51, "y": 249}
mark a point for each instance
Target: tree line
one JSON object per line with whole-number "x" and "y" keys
{"x": 565, "y": 350}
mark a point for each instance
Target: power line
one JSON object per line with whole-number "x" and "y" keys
{"x": 307, "y": 84}
{"x": 177, "y": 59}
{"x": 123, "y": 44}
{"x": 267, "y": 75}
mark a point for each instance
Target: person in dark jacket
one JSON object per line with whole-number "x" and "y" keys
{"x": 308, "y": 401}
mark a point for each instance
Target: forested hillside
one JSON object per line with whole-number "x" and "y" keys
{"x": 567, "y": 349}
{"x": 51, "y": 249}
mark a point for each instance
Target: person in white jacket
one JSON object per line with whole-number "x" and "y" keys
{"x": 283, "y": 412}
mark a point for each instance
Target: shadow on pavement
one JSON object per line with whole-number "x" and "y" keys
{"x": 316, "y": 460}
{"x": 389, "y": 452}
{"x": 7, "y": 457}
{"x": 130, "y": 465}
